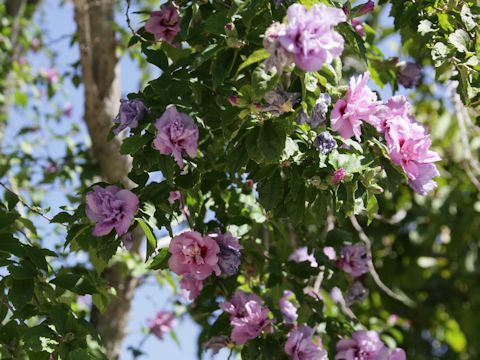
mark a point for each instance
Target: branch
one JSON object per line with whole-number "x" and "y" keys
{"x": 135, "y": 33}
{"x": 24, "y": 203}
{"x": 361, "y": 234}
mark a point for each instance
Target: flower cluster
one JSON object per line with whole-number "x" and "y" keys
{"x": 308, "y": 38}
{"x": 407, "y": 140}
{"x": 196, "y": 257}
{"x": 248, "y": 316}
{"x": 176, "y": 134}
{"x": 164, "y": 322}
{"x": 111, "y": 208}
{"x": 366, "y": 345}
{"x": 359, "y": 104}
{"x": 164, "y": 24}
{"x": 302, "y": 345}
{"x": 129, "y": 114}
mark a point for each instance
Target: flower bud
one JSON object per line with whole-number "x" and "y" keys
{"x": 409, "y": 75}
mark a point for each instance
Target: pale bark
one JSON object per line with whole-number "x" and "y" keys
{"x": 100, "y": 70}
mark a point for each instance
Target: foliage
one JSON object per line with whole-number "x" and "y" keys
{"x": 258, "y": 174}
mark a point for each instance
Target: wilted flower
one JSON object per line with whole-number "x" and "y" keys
{"x": 357, "y": 293}
{"x": 176, "y": 134}
{"x": 191, "y": 286}
{"x": 354, "y": 260}
{"x": 309, "y": 35}
{"x": 366, "y": 345}
{"x": 280, "y": 57}
{"x": 216, "y": 344}
{"x": 302, "y": 117}
{"x": 194, "y": 254}
{"x": 319, "y": 113}
{"x": 301, "y": 345}
{"x": 325, "y": 142}
{"x": 338, "y": 175}
{"x": 288, "y": 310}
{"x": 164, "y": 24}
{"x": 360, "y": 103}
{"x": 409, "y": 74}
{"x": 301, "y": 254}
{"x": 162, "y": 324}
{"x": 110, "y": 208}
{"x": 129, "y": 114}
{"x": 229, "y": 255}
{"x": 280, "y": 101}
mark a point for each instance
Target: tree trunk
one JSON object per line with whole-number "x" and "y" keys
{"x": 100, "y": 70}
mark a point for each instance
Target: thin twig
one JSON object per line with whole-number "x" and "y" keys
{"x": 129, "y": 24}
{"x": 24, "y": 203}
{"x": 400, "y": 297}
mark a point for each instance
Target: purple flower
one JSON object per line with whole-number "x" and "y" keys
{"x": 252, "y": 325}
{"x": 164, "y": 24}
{"x": 358, "y": 27}
{"x": 301, "y": 345}
{"x": 409, "y": 75}
{"x": 191, "y": 286}
{"x": 338, "y": 175}
{"x": 129, "y": 114}
{"x": 354, "y": 260}
{"x": 174, "y": 196}
{"x": 68, "y": 109}
{"x": 364, "y": 345}
{"x": 301, "y": 254}
{"x": 128, "y": 240}
{"x": 194, "y": 254}
{"x": 162, "y": 324}
{"x": 330, "y": 253}
{"x": 111, "y": 207}
{"x": 302, "y": 117}
{"x": 229, "y": 255}
{"x": 236, "y": 306}
{"x": 50, "y": 74}
{"x": 366, "y": 8}
{"x": 325, "y": 142}
{"x": 309, "y": 35}
{"x": 288, "y": 310}
{"x": 398, "y": 354}
{"x": 319, "y": 114}
{"x": 280, "y": 57}
{"x": 176, "y": 134}
{"x": 360, "y": 103}
{"x": 409, "y": 144}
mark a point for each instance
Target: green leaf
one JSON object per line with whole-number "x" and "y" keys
{"x": 255, "y": 57}
{"x": 444, "y": 22}
{"x": 272, "y": 141}
{"x": 372, "y": 208}
{"x": 78, "y": 354}
{"x": 66, "y": 281}
{"x": 132, "y": 144}
{"x": 151, "y": 240}
{"x": 460, "y": 40}
{"x": 469, "y": 20}
{"x": 271, "y": 191}
{"x": 160, "y": 261}
{"x": 263, "y": 81}
{"x": 439, "y": 53}
{"x": 215, "y": 23}
{"x": 21, "y": 292}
